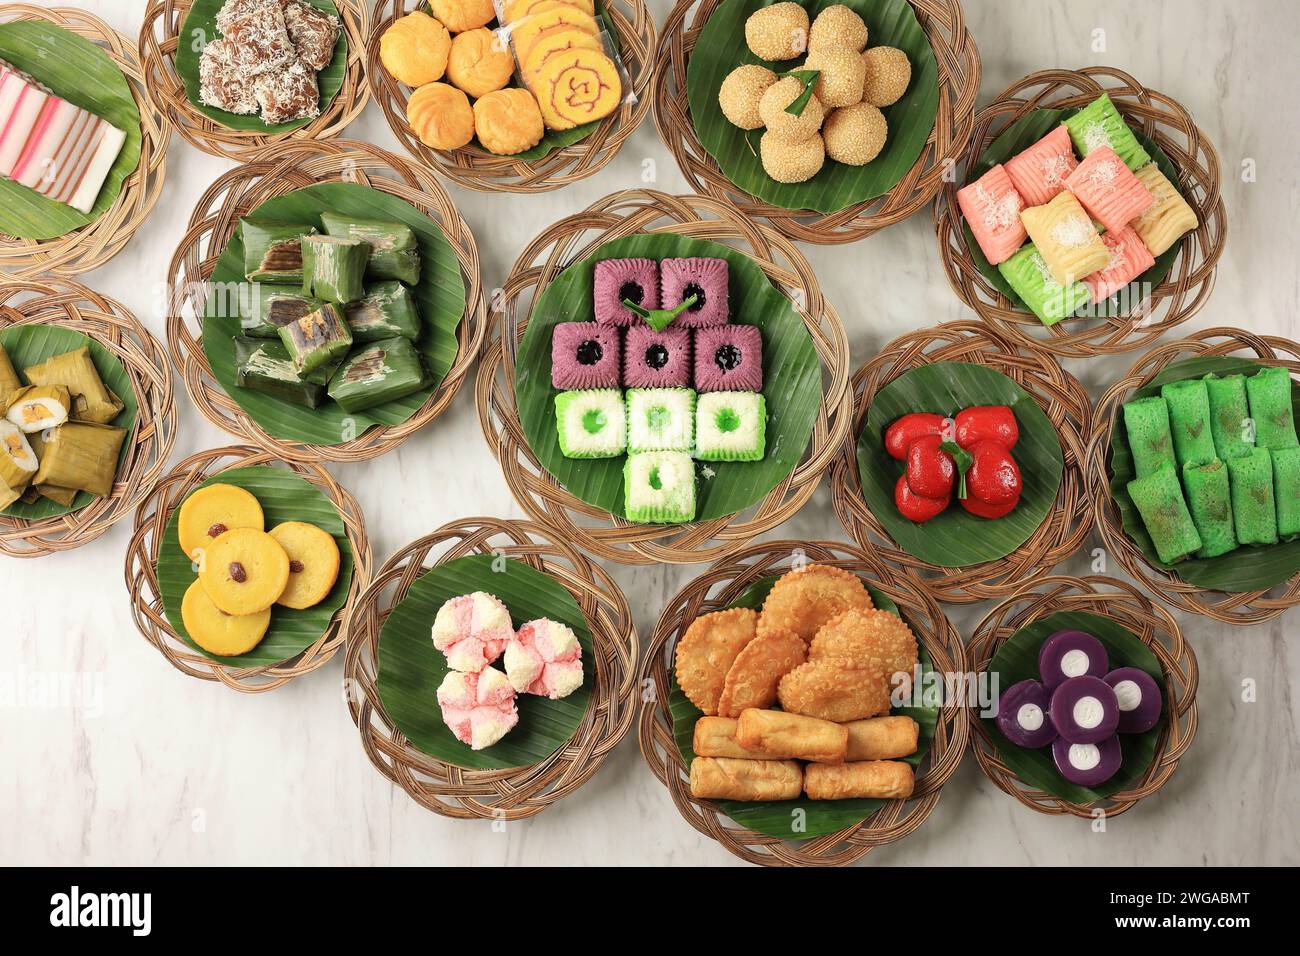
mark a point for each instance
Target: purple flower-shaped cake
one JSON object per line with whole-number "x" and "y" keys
{"x": 729, "y": 358}
{"x": 657, "y": 359}
{"x": 704, "y": 278}
{"x": 585, "y": 355}
{"x": 619, "y": 279}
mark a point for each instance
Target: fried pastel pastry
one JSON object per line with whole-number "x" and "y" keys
{"x": 781, "y": 736}
{"x": 878, "y": 779}
{"x": 873, "y": 640}
{"x": 758, "y": 668}
{"x": 716, "y": 737}
{"x": 802, "y": 601}
{"x": 706, "y": 652}
{"x": 882, "y": 738}
{"x": 833, "y": 689}
{"x": 721, "y": 778}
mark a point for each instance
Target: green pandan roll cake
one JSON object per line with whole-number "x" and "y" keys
{"x": 1209, "y": 499}
{"x": 1286, "y": 490}
{"x": 1269, "y": 394}
{"x": 1027, "y": 272}
{"x": 1189, "y": 421}
{"x": 1229, "y": 415}
{"x": 1159, "y": 499}
{"x": 1147, "y": 422}
{"x": 1254, "y": 511}
{"x": 1099, "y": 124}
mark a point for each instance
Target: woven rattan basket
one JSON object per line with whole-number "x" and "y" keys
{"x": 476, "y": 168}
{"x": 1150, "y": 623}
{"x": 718, "y": 587}
{"x": 142, "y": 562}
{"x": 519, "y": 792}
{"x": 91, "y": 246}
{"x": 1246, "y": 607}
{"x": 959, "y": 79}
{"x": 1158, "y": 117}
{"x": 293, "y": 165}
{"x": 569, "y": 240}
{"x": 159, "y": 40}
{"x": 64, "y": 303}
{"x": 1061, "y": 397}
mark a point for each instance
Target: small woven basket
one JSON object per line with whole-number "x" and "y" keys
{"x": 147, "y": 539}
{"x": 1150, "y": 623}
{"x": 93, "y": 245}
{"x": 718, "y": 587}
{"x": 520, "y": 792}
{"x": 959, "y": 78}
{"x": 1158, "y": 117}
{"x": 1062, "y": 398}
{"x": 476, "y": 168}
{"x": 294, "y": 165}
{"x": 571, "y": 239}
{"x": 63, "y": 303}
{"x": 159, "y": 39}
{"x": 1245, "y": 607}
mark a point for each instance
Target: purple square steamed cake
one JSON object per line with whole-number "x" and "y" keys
{"x": 585, "y": 355}
{"x": 619, "y": 279}
{"x": 729, "y": 358}
{"x": 657, "y": 359}
{"x": 704, "y": 278}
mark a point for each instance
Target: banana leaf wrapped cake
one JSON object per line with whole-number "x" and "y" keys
{"x": 273, "y": 250}
{"x": 394, "y": 250}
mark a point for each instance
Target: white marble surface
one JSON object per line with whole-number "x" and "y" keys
{"x": 142, "y": 765}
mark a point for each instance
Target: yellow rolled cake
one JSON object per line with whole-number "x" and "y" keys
{"x": 537, "y": 26}
{"x": 543, "y": 48}
{"x": 516, "y": 10}
{"x": 575, "y": 87}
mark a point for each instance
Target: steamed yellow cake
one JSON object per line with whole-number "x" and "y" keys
{"x": 244, "y": 571}
{"x": 313, "y": 563}
{"x": 212, "y": 511}
{"x": 414, "y": 49}
{"x": 217, "y": 632}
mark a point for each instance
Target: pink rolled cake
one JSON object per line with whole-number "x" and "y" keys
{"x": 478, "y": 708}
{"x": 707, "y": 279}
{"x": 545, "y": 659}
{"x": 657, "y": 359}
{"x": 585, "y": 355}
{"x": 1038, "y": 173}
{"x": 992, "y": 207}
{"x": 636, "y": 280}
{"x": 1108, "y": 189}
{"x": 729, "y": 358}
{"x": 472, "y": 630}
{"x": 1129, "y": 258}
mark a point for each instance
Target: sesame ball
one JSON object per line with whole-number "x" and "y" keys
{"x": 888, "y": 73}
{"x": 740, "y": 93}
{"x": 855, "y": 135}
{"x": 778, "y": 32}
{"x": 771, "y": 108}
{"x": 842, "y": 75}
{"x": 837, "y": 26}
{"x": 789, "y": 162}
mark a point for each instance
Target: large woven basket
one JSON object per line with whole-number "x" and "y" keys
{"x": 1062, "y": 398}
{"x": 147, "y": 539}
{"x": 293, "y": 165}
{"x": 1158, "y": 117}
{"x": 160, "y": 38}
{"x": 520, "y": 792}
{"x": 571, "y": 239}
{"x": 476, "y": 168}
{"x": 93, "y": 245}
{"x": 718, "y": 587}
{"x": 1246, "y": 607}
{"x": 1150, "y": 623}
{"x": 63, "y": 303}
{"x": 944, "y": 24}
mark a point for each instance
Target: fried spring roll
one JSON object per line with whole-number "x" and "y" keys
{"x": 881, "y": 738}
{"x": 721, "y": 778}
{"x": 886, "y": 779}
{"x": 716, "y": 737}
{"x": 781, "y": 736}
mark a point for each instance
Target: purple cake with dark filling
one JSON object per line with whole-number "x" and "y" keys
{"x": 585, "y": 355}
{"x": 619, "y": 279}
{"x": 704, "y": 278}
{"x": 657, "y": 359}
{"x": 729, "y": 358}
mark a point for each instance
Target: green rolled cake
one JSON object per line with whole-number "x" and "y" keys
{"x": 1269, "y": 394}
{"x": 1189, "y": 421}
{"x": 1209, "y": 499}
{"x": 1099, "y": 124}
{"x": 1158, "y": 497}
{"x": 1286, "y": 490}
{"x": 1254, "y": 511}
{"x": 1229, "y": 415}
{"x": 1027, "y": 273}
{"x": 1147, "y": 422}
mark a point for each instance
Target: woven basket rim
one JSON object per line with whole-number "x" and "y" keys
{"x": 719, "y": 585}
{"x": 92, "y": 245}
{"x": 299, "y": 163}
{"x": 1150, "y": 623}
{"x": 1189, "y": 283}
{"x": 959, "y": 78}
{"x": 146, "y": 542}
{"x": 1062, "y": 398}
{"x": 158, "y": 40}
{"x": 67, "y": 304}
{"x": 513, "y": 793}
{"x": 1241, "y": 608}
{"x": 477, "y": 169}
{"x": 565, "y": 242}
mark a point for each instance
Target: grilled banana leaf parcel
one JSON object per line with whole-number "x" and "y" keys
{"x": 264, "y": 366}
{"x": 273, "y": 250}
{"x": 388, "y": 309}
{"x": 394, "y": 249}
{"x": 380, "y": 372}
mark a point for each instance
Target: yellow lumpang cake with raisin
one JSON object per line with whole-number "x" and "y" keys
{"x": 244, "y": 571}
{"x": 226, "y": 635}
{"x": 212, "y": 511}
{"x": 313, "y": 563}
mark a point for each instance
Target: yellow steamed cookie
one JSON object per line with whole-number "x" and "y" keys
{"x": 244, "y": 571}
{"x": 212, "y": 511}
{"x": 508, "y": 121}
{"x": 480, "y": 62}
{"x": 313, "y": 563}
{"x": 414, "y": 49}
{"x": 226, "y": 635}
{"x": 460, "y": 15}
{"x": 441, "y": 116}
